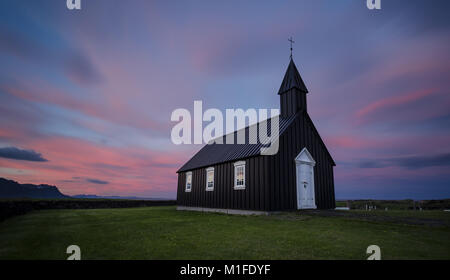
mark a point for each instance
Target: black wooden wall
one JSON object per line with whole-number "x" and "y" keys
{"x": 301, "y": 134}
{"x": 254, "y": 197}
{"x": 270, "y": 180}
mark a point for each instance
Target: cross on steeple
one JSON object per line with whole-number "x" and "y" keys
{"x": 292, "y": 41}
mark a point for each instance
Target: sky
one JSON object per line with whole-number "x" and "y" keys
{"x": 86, "y": 95}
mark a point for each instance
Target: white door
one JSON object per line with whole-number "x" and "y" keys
{"x": 305, "y": 181}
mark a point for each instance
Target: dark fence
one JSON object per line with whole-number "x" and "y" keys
{"x": 9, "y": 208}
{"x": 406, "y": 204}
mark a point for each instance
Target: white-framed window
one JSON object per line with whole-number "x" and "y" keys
{"x": 239, "y": 175}
{"x": 210, "y": 179}
{"x": 188, "y": 181}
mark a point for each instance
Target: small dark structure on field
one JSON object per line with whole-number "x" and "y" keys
{"x": 236, "y": 178}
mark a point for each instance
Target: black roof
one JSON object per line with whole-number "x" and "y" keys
{"x": 292, "y": 79}
{"x": 212, "y": 154}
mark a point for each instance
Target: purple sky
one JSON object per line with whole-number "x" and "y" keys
{"x": 86, "y": 96}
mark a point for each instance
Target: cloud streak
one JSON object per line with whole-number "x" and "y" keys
{"x": 19, "y": 154}
{"x": 409, "y": 162}
{"x": 96, "y": 181}
{"x": 392, "y": 102}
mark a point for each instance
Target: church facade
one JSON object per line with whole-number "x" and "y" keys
{"x": 236, "y": 178}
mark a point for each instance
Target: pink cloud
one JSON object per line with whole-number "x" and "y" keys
{"x": 111, "y": 110}
{"x": 344, "y": 141}
{"x": 394, "y": 101}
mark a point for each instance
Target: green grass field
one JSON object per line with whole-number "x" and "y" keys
{"x": 164, "y": 233}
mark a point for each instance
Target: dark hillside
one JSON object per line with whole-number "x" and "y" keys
{"x": 12, "y": 189}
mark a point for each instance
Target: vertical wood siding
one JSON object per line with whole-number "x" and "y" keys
{"x": 292, "y": 101}
{"x": 224, "y": 195}
{"x": 299, "y": 135}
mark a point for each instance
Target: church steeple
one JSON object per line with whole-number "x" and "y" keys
{"x": 292, "y": 92}
{"x": 292, "y": 79}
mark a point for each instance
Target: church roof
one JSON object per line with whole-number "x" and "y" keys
{"x": 292, "y": 79}
{"x": 212, "y": 154}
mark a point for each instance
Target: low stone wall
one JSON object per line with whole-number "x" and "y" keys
{"x": 9, "y": 208}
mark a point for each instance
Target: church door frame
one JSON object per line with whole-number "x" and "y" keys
{"x": 304, "y": 164}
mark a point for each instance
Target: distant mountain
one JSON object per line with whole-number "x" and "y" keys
{"x": 12, "y": 189}
{"x": 86, "y": 196}
{"x": 93, "y": 196}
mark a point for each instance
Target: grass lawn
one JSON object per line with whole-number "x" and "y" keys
{"x": 164, "y": 233}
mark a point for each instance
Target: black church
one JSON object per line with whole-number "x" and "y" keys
{"x": 237, "y": 178}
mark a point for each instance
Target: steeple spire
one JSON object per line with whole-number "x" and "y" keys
{"x": 292, "y": 79}
{"x": 292, "y": 92}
